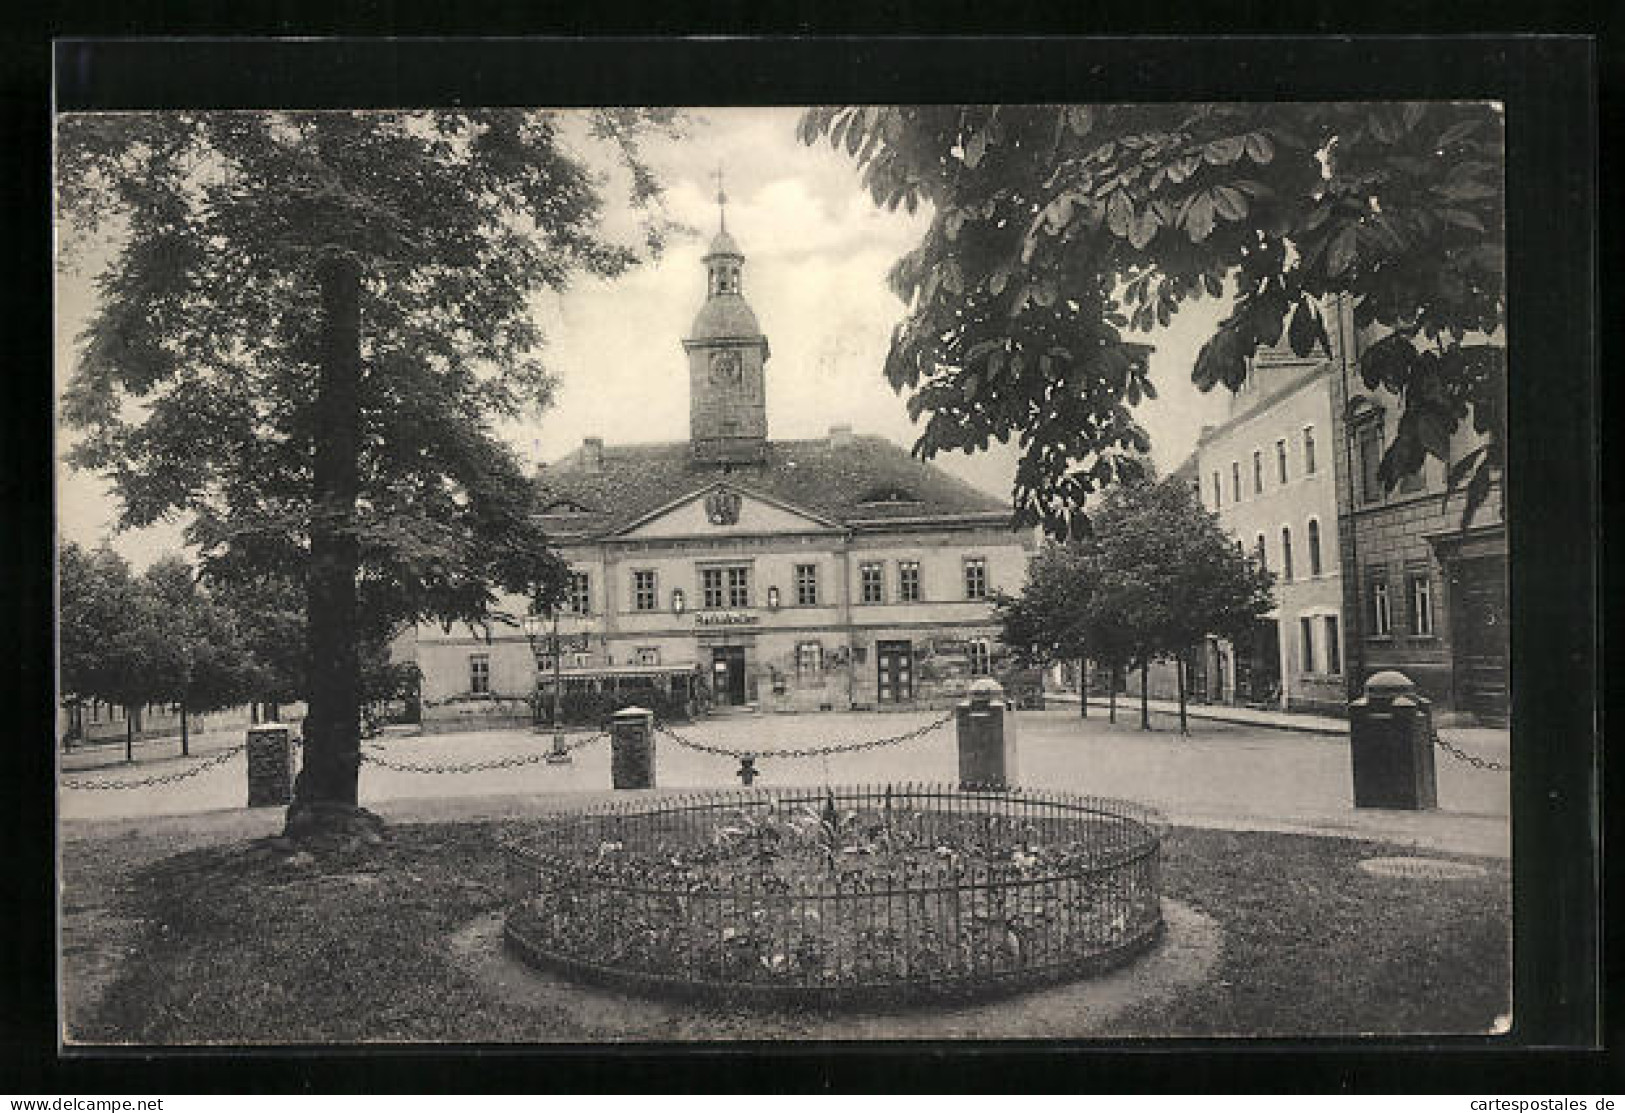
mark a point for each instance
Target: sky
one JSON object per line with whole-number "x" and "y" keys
{"x": 817, "y": 251}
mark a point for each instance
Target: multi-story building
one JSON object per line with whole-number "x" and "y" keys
{"x": 1266, "y": 471}
{"x": 830, "y": 573}
{"x": 1426, "y": 590}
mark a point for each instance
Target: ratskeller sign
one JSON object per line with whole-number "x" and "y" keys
{"x": 725, "y": 618}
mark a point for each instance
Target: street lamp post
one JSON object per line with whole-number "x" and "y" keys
{"x": 534, "y": 629}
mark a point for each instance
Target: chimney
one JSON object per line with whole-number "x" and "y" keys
{"x": 840, "y": 436}
{"x": 592, "y": 453}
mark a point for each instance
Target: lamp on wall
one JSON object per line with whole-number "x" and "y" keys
{"x": 676, "y": 600}
{"x": 772, "y": 598}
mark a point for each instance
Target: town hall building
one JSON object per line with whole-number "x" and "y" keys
{"x": 779, "y": 575}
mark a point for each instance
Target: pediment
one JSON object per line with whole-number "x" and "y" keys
{"x": 724, "y": 509}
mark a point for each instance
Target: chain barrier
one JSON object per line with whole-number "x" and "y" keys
{"x": 372, "y": 757}
{"x": 806, "y": 751}
{"x": 1462, "y": 755}
{"x": 161, "y": 778}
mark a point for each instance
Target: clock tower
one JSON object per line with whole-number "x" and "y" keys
{"x": 726, "y": 355}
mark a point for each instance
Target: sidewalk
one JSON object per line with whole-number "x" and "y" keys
{"x": 1219, "y": 713}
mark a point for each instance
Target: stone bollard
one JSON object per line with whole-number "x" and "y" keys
{"x": 270, "y": 765}
{"x": 632, "y": 748}
{"x": 1391, "y": 745}
{"x": 987, "y": 738}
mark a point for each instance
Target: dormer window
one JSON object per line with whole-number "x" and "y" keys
{"x": 565, "y": 506}
{"x": 889, "y": 496}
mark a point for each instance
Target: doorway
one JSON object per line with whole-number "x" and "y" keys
{"x": 1258, "y": 665}
{"x": 728, "y": 675}
{"x": 894, "y": 665}
{"x": 1478, "y": 606}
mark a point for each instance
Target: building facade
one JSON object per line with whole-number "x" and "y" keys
{"x": 1267, "y": 472}
{"x": 832, "y": 573}
{"x": 1425, "y": 588}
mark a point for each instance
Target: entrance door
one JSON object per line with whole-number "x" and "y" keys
{"x": 1258, "y": 665}
{"x": 728, "y": 675}
{"x": 894, "y": 663}
{"x": 1478, "y": 615}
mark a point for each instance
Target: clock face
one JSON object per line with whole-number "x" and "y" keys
{"x": 725, "y": 367}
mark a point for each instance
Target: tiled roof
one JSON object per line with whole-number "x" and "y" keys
{"x": 865, "y": 478}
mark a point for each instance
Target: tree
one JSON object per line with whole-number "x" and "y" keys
{"x": 1046, "y": 623}
{"x": 268, "y": 612}
{"x": 1166, "y": 576}
{"x": 110, "y": 644}
{"x": 212, "y": 665}
{"x": 316, "y": 316}
{"x": 1059, "y": 232}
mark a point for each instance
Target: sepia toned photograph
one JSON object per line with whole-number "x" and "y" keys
{"x": 837, "y": 572}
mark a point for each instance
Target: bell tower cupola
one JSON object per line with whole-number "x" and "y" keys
{"x": 727, "y": 354}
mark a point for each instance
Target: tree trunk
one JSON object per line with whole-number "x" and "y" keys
{"x": 129, "y": 733}
{"x": 1145, "y": 696}
{"x": 1083, "y": 687}
{"x": 186, "y": 741}
{"x": 1111, "y": 696}
{"x": 1179, "y": 668}
{"x": 327, "y": 783}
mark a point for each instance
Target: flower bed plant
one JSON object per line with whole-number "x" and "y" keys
{"x": 836, "y": 893}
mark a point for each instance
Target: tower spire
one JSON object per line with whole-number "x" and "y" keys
{"x": 722, "y": 201}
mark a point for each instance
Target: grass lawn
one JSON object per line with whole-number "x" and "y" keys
{"x": 245, "y": 944}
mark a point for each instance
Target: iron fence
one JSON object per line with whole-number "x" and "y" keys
{"x": 838, "y": 895}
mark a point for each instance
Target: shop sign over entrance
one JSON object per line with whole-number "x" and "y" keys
{"x": 725, "y": 618}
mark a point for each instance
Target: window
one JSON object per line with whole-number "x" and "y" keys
{"x": 1217, "y": 490}
{"x": 644, "y": 595}
{"x": 1308, "y": 450}
{"x": 1334, "y": 651}
{"x": 580, "y": 601}
{"x": 1306, "y": 635}
{"x": 1280, "y": 460}
{"x": 1258, "y": 472}
{"x": 648, "y": 656}
{"x": 739, "y": 586}
{"x": 1368, "y": 446}
{"x": 980, "y": 656}
{"x": 871, "y": 583}
{"x": 725, "y": 587}
{"x": 711, "y": 596}
{"x": 806, "y": 585}
{"x": 809, "y": 659}
{"x": 1261, "y": 552}
{"x": 1314, "y": 547}
{"x": 1235, "y": 481}
{"x": 1382, "y": 615}
{"x": 908, "y": 581}
{"x": 581, "y": 660}
{"x": 479, "y": 673}
{"x": 1286, "y": 554}
{"x": 975, "y": 578}
{"x": 1421, "y": 604}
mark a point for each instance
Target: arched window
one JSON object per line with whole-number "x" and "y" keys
{"x": 1286, "y": 553}
{"x": 1263, "y": 553}
{"x": 1314, "y": 547}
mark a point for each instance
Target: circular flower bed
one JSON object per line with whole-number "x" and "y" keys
{"x": 837, "y": 894}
